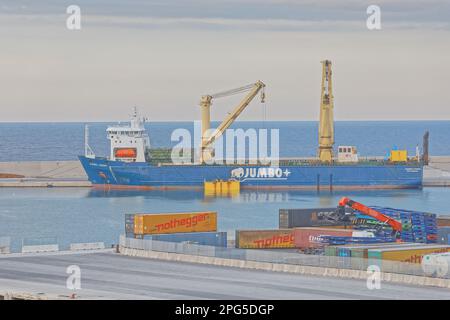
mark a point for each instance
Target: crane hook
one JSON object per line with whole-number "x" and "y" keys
{"x": 263, "y": 96}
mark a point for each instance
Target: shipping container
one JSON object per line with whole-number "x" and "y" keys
{"x": 175, "y": 222}
{"x": 129, "y": 224}
{"x": 399, "y": 156}
{"x": 443, "y": 235}
{"x": 257, "y": 239}
{"x": 436, "y": 264}
{"x": 331, "y": 251}
{"x": 215, "y": 239}
{"x": 294, "y": 218}
{"x": 358, "y": 253}
{"x": 443, "y": 221}
{"x": 312, "y": 237}
{"x": 411, "y": 254}
{"x": 336, "y": 227}
{"x": 360, "y": 250}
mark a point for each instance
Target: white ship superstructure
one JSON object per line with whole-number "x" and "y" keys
{"x": 129, "y": 142}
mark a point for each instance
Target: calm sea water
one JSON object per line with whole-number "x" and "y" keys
{"x": 65, "y": 141}
{"x": 67, "y": 215}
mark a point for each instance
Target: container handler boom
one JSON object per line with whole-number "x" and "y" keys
{"x": 340, "y": 214}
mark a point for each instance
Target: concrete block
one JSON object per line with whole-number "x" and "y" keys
{"x": 4, "y": 250}
{"x": 40, "y": 248}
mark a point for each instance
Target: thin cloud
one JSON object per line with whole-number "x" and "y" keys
{"x": 305, "y": 10}
{"x": 217, "y": 24}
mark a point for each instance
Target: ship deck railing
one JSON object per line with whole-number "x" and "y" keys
{"x": 372, "y": 161}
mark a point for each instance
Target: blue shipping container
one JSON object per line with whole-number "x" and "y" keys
{"x": 215, "y": 239}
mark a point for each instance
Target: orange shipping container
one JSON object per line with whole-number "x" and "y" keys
{"x": 175, "y": 222}
{"x": 443, "y": 221}
{"x": 258, "y": 239}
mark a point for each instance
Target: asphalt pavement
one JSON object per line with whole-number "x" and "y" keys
{"x": 107, "y": 275}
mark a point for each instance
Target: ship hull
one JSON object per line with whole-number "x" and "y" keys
{"x": 117, "y": 174}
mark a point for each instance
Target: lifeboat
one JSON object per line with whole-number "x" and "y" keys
{"x": 125, "y": 153}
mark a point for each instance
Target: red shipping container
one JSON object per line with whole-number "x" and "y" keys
{"x": 311, "y": 237}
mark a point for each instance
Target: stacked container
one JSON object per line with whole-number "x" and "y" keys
{"x": 294, "y": 218}
{"x": 361, "y": 250}
{"x": 443, "y": 221}
{"x": 317, "y": 237}
{"x": 215, "y": 239}
{"x": 418, "y": 227}
{"x": 268, "y": 239}
{"x": 191, "y": 227}
{"x": 336, "y": 240}
{"x": 410, "y": 254}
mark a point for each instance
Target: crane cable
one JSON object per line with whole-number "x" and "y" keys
{"x": 232, "y": 91}
{"x": 263, "y": 102}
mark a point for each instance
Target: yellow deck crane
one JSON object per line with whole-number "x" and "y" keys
{"x": 205, "y": 105}
{"x": 326, "y": 125}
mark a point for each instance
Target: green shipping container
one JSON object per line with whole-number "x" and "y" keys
{"x": 331, "y": 251}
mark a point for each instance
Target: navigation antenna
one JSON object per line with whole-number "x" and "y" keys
{"x": 88, "y": 153}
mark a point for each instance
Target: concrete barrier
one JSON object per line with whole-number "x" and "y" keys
{"x": 40, "y": 248}
{"x": 5, "y": 250}
{"x": 87, "y": 246}
{"x": 277, "y": 267}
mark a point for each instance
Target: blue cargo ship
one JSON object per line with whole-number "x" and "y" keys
{"x": 133, "y": 164}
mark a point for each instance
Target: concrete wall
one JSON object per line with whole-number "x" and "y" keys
{"x": 437, "y": 173}
{"x": 279, "y": 267}
{"x": 44, "y": 169}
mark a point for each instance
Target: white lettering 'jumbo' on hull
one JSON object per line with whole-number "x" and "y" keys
{"x": 260, "y": 173}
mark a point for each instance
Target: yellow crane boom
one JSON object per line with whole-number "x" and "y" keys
{"x": 205, "y": 104}
{"x": 326, "y": 124}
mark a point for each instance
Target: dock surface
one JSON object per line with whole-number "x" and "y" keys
{"x": 108, "y": 275}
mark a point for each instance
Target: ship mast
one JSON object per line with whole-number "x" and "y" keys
{"x": 88, "y": 153}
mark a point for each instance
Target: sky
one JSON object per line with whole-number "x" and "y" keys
{"x": 163, "y": 55}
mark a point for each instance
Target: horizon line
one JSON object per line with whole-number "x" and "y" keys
{"x": 265, "y": 121}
